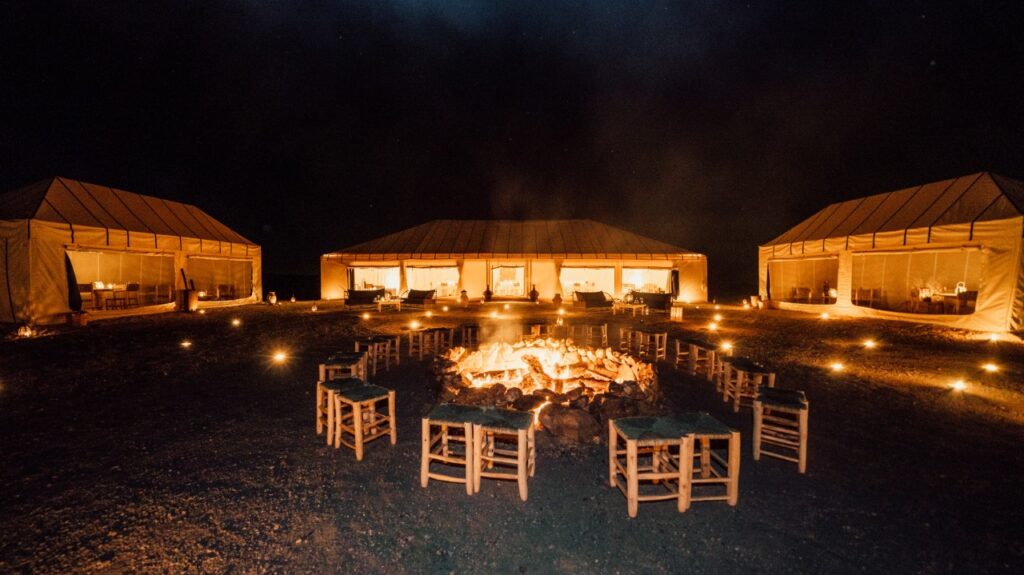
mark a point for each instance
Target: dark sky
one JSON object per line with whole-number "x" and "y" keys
{"x": 310, "y": 126}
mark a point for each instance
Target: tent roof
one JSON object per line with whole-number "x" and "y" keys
{"x": 67, "y": 201}
{"x": 441, "y": 239}
{"x": 975, "y": 197}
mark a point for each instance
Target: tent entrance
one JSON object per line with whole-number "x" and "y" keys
{"x": 508, "y": 281}
{"x": 926, "y": 282}
{"x": 582, "y": 279}
{"x": 647, "y": 280}
{"x": 99, "y": 274}
{"x": 805, "y": 280}
{"x": 220, "y": 279}
{"x": 375, "y": 277}
{"x": 443, "y": 280}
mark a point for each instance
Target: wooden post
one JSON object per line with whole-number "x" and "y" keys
{"x": 319, "y": 405}
{"x": 733, "y": 487}
{"x": 632, "y": 488}
{"x": 330, "y": 418}
{"x": 391, "y": 417}
{"x": 685, "y": 472}
{"x": 476, "y": 456}
{"x": 425, "y": 453}
{"x": 758, "y": 415}
{"x": 710, "y": 371}
{"x": 521, "y": 462}
{"x": 357, "y": 425}
{"x": 705, "y": 457}
{"x": 741, "y": 382}
{"x": 802, "y": 465}
{"x": 612, "y": 440}
{"x": 470, "y": 468}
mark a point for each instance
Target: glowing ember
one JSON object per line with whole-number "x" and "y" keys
{"x": 870, "y": 343}
{"x": 25, "y": 331}
{"x": 990, "y": 367}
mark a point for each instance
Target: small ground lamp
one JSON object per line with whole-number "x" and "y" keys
{"x": 870, "y": 344}
{"x": 993, "y": 337}
{"x": 726, "y": 346}
{"x": 958, "y": 385}
{"x": 718, "y": 317}
{"x": 824, "y": 315}
{"x": 430, "y": 314}
{"x": 990, "y": 367}
{"x": 445, "y": 308}
{"x": 236, "y": 322}
{"x": 713, "y": 326}
{"x": 414, "y": 324}
{"x": 561, "y": 311}
{"x": 837, "y": 366}
{"x": 280, "y": 356}
{"x": 366, "y": 315}
{"x": 506, "y": 307}
{"x": 186, "y": 343}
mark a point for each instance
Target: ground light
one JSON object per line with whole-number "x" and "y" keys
{"x": 990, "y": 367}
{"x": 202, "y": 312}
{"x": 958, "y": 385}
{"x": 824, "y": 315}
{"x": 414, "y": 324}
{"x": 837, "y": 366}
{"x": 430, "y": 314}
{"x": 713, "y": 326}
{"x": 186, "y": 343}
{"x": 993, "y": 337}
{"x": 445, "y": 308}
{"x": 366, "y": 315}
{"x": 726, "y": 346}
{"x": 561, "y": 311}
{"x": 494, "y": 314}
{"x": 506, "y": 307}
{"x": 280, "y": 356}
{"x": 718, "y": 317}
{"x": 313, "y": 308}
{"x": 236, "y": 322}
{"x": 718, "y": 306}
{"x": 870, "y": 343}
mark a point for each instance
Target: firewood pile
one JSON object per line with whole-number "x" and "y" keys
{"x": 569, "y": 388}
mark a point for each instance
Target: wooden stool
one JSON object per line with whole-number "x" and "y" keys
{"x": 538, "y": 330}
{"x": 416, "y": 340}
{"x": 655, "y": 437}
{"x": 394, "y": 350}
{"x": 741, "y": 378}
{"x": 591, "y": 335}
{"x": 344, "y": 364}
{"x": 652, "y": 346}
{"x": 325, "y": 391}
{"x": 682, "y": 355}
{"x": 507, "y": 426}
{"x": 377, "y": 353}
{"x": 469, "y": 335}
{"x": 444, "y": 339}
{"x": 718, "y": 366}
{"x": 702, "y": 357}
{"x": 780, "y": 419}
{"x": 436, "y": 446}
{"x": 356, "y": 415}
{"x": 626, "y": 340}
{"x": 713, "y": 468}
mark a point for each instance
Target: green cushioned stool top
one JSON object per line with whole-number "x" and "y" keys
{"x": 699, "y": 342}
{"x": 782, "y": 397}
{"x": 744, "y": 364}
{"x": 345, "y": 382}
{"x": 670, "y": 426}
{"x": 345, "y": 357}
{"x": 489, "y": 417}
{"x": 362, "y": 392}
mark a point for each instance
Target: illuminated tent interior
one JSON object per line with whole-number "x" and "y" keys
{"x": 947, "y": 252}
{"x": 67, "y": 245}
{"x": 511, "y": 258}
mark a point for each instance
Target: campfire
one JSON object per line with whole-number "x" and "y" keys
{"x": 554, "y": 378}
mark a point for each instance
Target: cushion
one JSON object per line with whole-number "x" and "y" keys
{"x": 363, "y": 297}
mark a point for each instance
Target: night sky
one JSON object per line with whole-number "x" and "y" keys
{"x": 310, "y": 126}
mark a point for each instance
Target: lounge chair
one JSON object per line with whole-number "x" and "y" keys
{"x": 591, "y": 299}
{"x": 655, "y": 301}
{"x": 360, "y": 298}
{"x": 419, "y": 297}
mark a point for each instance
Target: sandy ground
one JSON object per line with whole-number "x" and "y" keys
{"x": 124, "y": 452}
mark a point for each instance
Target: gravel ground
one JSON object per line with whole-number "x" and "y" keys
{"x": 125, "y": 452}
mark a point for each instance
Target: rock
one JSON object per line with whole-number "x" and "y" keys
{"x": 528, "y": 402}
{"x": 614, "y": 389}
{"x": 513, "y": 394}
{"x": 474, "y": 396}
{"x": 568, "y": 423}
{"x": 496, "y": 390}
{"x": 574, "y": 394}
{"x": 581, "y": 402}
{"x": 545, "y": 393}
{"x": 616, "y": 407}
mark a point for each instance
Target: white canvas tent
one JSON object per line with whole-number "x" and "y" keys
{"x": 511, "y": 257}
{"x": 947, "y": 252}
{"x": 60, "y": 239}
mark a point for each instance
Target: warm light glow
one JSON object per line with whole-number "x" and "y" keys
{"x": 726, "y": 346}
{"x": 870, "y": 343}
{"x": 25, "y": 331}
{"x": 430, "y": 314}
{"x": 414, "y": 324}
{"x": 536, "y": 414}
{"x": 993, "y": 337}
{"x": 293, "y": 299}
{"x": 990, "y": 367}
{"x": 366, "y": 315}
{"x": 202, "y": 312}
{"x": 236, "y": 322}
{"x": 718, "y": 316}
{"x": 506, "y": 307}
{"x": 561, "y": 311}
{"x": 494, "y": 314}
{"x": 186, "y": 343}
{"x": 958, "y": 385}
{"x": 560, "y": 322}
{"x": 746, "y": 305}
{"x": 280, "y": 356}
{"x": 837, "y": 366}
{"x": 445, "y": 308}
{"x": 713, "y": 326}
{"x": 718, "y": 306}
{"x": 313, "y": 308}
{"x": 824, "y": 315}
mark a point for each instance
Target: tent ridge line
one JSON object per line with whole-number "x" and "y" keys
{"x": 86, "y": 208}
{"x": 177, "y": 217}
{"x": 962, "y": 194}
{"x": 112, "y": 216}
{"x": 145, "y": 203}
{"x": 854, "y": 210}
{"x": 936, "y": 200}
{"x": 898, "y": 210}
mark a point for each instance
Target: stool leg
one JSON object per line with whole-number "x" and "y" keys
{"x": 733, "y": 487}
{"x": 632, "y": 488}
{"x": 741, "y": 382}
{"x": 693, "y": 360}
{"x": 685, "y": 473}
{"x": 470, "y": 467}
{"x": 758, "y": 415}
{"x": 357, "y": 424}
{"x": 521, "y": 462}
{"x": 802, "y": 465}
{"x": 330, "y": 418}
{"x": 611, "y": 452}
{"x": 532, "y": 444}
{"x": 476, "y": 456}
{"x": 424, "y": 452}
{"x": 391, "y": 417}
{"x": 319, "y": 407}
{"x": 339, "y": 411}
{"x": 705, "y": 457}
{"x": 711, "y": 365}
